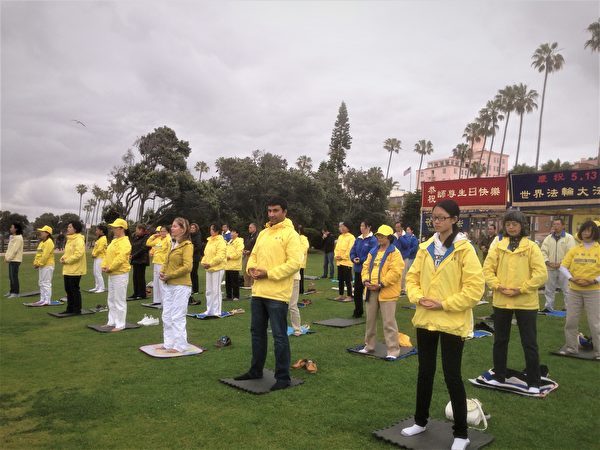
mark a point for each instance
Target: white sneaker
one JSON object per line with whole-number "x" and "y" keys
{"x": 141, "y": 322}
{"x": 13, "y": 296}
{"x": 391, "y": 358}
{"x": 412, "y": 430}
{"x": 533, "y": 390}
{"x": 93, "y": 290}
{"x": 363, "y": 350}
{"x": 460, "y": 444}
{"x": 152, "y": 321}
{"x": 100, "y": 291}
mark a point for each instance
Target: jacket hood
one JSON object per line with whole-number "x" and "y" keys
{"x": 285, "y": 223}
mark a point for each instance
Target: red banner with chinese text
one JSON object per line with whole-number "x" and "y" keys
{"x": 481, "y": 193}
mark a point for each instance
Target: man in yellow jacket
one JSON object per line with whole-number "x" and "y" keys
{"x": 276, "y": 257}
{"x": 116, "y": 265}
{"x": 233, "y": 265}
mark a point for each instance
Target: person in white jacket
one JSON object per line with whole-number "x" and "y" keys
{"x": 14, "y": 258}
{"x": 554, "y": 248}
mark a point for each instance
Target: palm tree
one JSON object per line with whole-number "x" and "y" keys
{"x": 472, "y": 134}
{"x": 524, "y": 103}
{"x": 483, "y": 120}
{"x": 545, "y": 59}
{"x": 594, "y": 42}
{"x": 477, "y": 169}
{"x": 506, "y": 98}
{"x": 423, "y": 148}
{"x": 304, "y": 163}
{"x": 391, "y": 145}
{"x": 462, "y": 152}
{"x": 492, "y": 114}
{"x": 81, "y": 189}
{"x": 201, "y": 167}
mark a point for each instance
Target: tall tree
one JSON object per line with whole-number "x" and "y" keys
{"x": 506, "y": 99}
{"x": 97, "y": 193}
{"x": 523, "y": 168}
{"x": 411, "y": 210}
{"x": 367, "y": 195}
{"x": 391, "y": 145}
{"x": 81, "y": 190}
{"x": 472, "y": 133}
{"x": 545, "y": 59}
{"x": 304, "y": 163}
{"x": 340, "y": 141}
{"x": 201, "y": 167}
{"x": 493, "y": 107}
{"x": 550, "y": 165}
{"x": 423, "y": 148}
{"x": 594, "y": 42}
{"x": 477, "y": 169}
{"x": 49, "y": 219}
{"x": 7, "y": 218}
{"x": 524, "y": 103}
{"x": 463, "y": 153}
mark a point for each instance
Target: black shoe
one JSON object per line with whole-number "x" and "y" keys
{"x": 247, "y": 376}
{"x": 132, "y": 297}
{"x": 66, "y": 312}
{"x": 280, "y": 385}
{"x": 546, "y": 310}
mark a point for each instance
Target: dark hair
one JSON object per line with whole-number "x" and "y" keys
{"x": 560, "y": 219}
{"x": 234, "y": 229}
{"x": 300, "y": 229}
{"x": 141, "y": 226}
{"x": 398, "y": 222}
{"x": 102, "y": 228}
{"x": 391, "y": 238}
{"x": 214, "y": 227}
{"x": 278, "y": 201}
{"x": 18, "y": 227}
{"x": 346, "y": 224}
{"x": 493, "y": 225}
{"x": 591, "y": 225}
{"x": 194, "y": 224}
{"x": 367, "y": 223}
{"x": 408, "y": 227}
{"x": 77, "y": 226}
{"x": 453, "y": 210}
{"x": 515, "y": 216}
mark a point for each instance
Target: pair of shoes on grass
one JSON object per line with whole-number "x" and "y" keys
{"x": 308, "y": 364}
{"x": 148, "y": 321}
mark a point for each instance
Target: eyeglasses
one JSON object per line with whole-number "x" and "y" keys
{"x": 439, "y": 218}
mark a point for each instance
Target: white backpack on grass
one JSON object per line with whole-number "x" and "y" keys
{"x": 475, "y": 414}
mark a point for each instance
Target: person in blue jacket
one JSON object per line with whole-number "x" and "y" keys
{"x": 358, "y": 255}
{"x": 413, "y": 246}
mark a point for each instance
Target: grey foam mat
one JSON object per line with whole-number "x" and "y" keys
{"x": 152, "y": 305}
{"x": 108, "y": 329}
{"x": 340, "y": 323}
{"x": 345, "y": 300}
{"x": 584, "y": 353}
{"x": 84, "y": 312}
{"x": 381, "y": 351}
{"x": 259, "y": 386}
{"x": 437, "y": 436}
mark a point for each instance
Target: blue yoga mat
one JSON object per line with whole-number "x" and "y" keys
{"x": 555, "y": 313}
{"x": 481, "y": 333}
{"x": 304, "y": 330}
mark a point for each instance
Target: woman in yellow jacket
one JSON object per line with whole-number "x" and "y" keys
{"x": 44, "y": 263}
{"x": 74, "y": 266}
{"x": 213, "y": 261}
{"x": 233, "y": 265}
{"x": 160, "y": 244}
{"x": 514, "y": 270}
{"x": 116, "y": 265}
{"x": 382, "y": 277}
{"x": 175, "y": 273}
{"x": 581, "y": 266}
{"x": 341, "y": 254}
{"x": 305, "y": 246}
{"x": 98, "y": 254}
{"x": 445, "y": 282}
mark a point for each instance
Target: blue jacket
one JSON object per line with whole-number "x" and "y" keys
{"x": 414, "y": 246}
{"x": 360, "y": 249}
{"x": 405, "y": 245}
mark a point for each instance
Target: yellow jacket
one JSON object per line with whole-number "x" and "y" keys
{"x": 343, "y": 246}
{"x": 391, "y": 273}
{"x": 99, "y": 250}
{"x": 117, "y": 256}
{"x": 45, "y": 254}
{"x": 234, "y": 250}
{"x": 178, "y": 265}
{"x": 14, "y": 251}
{"x": 524, "y": 269}
{"x": 74, "y": 259}
{"x": 457, "y": 282}
{"x": 583, "y": 263}
{"x": 160, "y": 248}
{"x": 305, "y": 246}
{"x": 215, "y": 253}
{"x": 278, "y": 251}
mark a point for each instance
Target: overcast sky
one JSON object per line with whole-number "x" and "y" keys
{"x": 232, "y": 77}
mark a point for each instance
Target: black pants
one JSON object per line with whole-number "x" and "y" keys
{"x": 73, "y": 293}
{"x": 194, "y": 276}
{"x": 452, "y": 349}
{"x": 345, "y": 278}
{"x": 13, "y": 276}
{"x": 139, "y": 280}
{"x": 358, "y": 295}
{"x": 301, "y": 281}
{"x": 232, "y": 284}
{"x": 527, "y": 323}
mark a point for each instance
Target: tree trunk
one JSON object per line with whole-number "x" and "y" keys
{"x": 460, "y": 169}
{"x": 80, "y": 198}
{"x": 388, "y": 168}
{"x": 487, "y": 169}
{"x": 519, "y": 139}
{"x": 537, "y": 154}
{"x": 482, "y": 149}
{"x": 419, "y": 173}
{"x": 502, "y": 146}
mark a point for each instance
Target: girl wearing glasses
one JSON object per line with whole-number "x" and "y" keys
{"x": 445, "y": 282}
{"x": 514, "y": 269}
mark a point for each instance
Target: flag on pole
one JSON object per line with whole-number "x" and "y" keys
{"x": 407, "y": 171}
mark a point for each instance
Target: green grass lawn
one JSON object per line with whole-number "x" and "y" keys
{"x": 63, "y": 385}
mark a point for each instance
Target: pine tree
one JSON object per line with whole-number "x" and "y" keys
{"x": 340, "y": 141}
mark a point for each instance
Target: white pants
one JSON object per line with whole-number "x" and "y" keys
{"x": 293, "y": 307}
{"x": 45, "y": 283}
{"x": 175, "y": 302}
{"x": 117, "y": 300}
{"x": 158, "y": 286}
{"x": 555, "y": 279}
{"x": 407, "y": 263}
{"x": 98, "y": 278}
{"x": 214, "y": 297}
